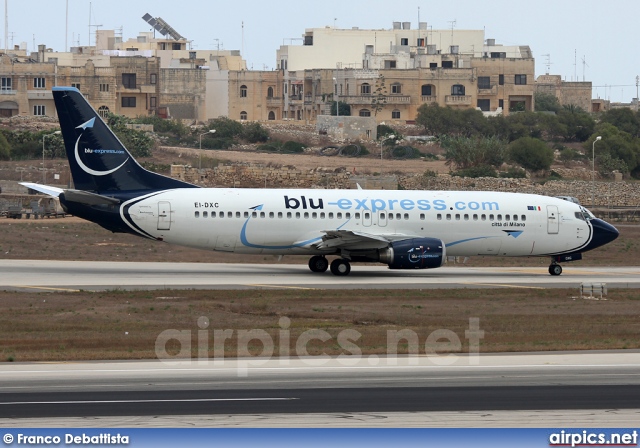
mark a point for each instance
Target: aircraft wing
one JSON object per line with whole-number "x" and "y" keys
{"x": 349, "y": 239}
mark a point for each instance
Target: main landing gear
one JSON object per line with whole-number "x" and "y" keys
{"x": 339, "y": 266}
{"x": 555, "y": 269}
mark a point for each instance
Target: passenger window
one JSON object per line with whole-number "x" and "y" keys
{"x": 221, "y": 215}
{"x": 499, "y": 217}
{"x": 391, "y": 216}
{"x": 439, "y": 217}
{"x": 457, "y": 217}
{"x": 246, "y": 214}
{"x": 289, "y": 215}
{"x": 271, "y": 215}
{"x": 205, "y": 214}
{"x": 398, "y": 216}
{"x": 448, "y": 217}
{"x": 330, "y": 215}
{"x": 297, "y": 215}
{"x": 306, "y": 215}
{"x": 475, "y": 217}
{"x": 367, "y": 215}
{"x": 348, "y": 215}
{"x": 357, "y": 215}
{"x": 515, "y": 217}
{"x": 339, "y": 215}
{"x": 238, "y": 215}
{"x": 279, "y": 214}
{"x": 321, "y": 215}
{"x": 406, "y": 216}
{"x": 422, "y": 216}
{"x": 524, "y": 217}
{"x": 197, "y": 214}
{"x": 466, "y": 217}
{"x": 491, "y": 217}
{"x": 262, "y": 214}
{"x": 213, "y": 214}
{"x": 507, "y": 218}
{"x": 314, "y": 215}
{"x": 483, "y": 217}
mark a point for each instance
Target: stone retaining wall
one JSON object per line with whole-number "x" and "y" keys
{"x": 606, "y": 194}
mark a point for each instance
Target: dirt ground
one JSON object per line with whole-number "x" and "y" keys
{"x": 126, "y": 325}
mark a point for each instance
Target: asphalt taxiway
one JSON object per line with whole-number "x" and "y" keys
{"x": 45, "y": 275}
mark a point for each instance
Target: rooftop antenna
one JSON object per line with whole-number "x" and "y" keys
{"x": 548, "y": 63}
{"x": 97, "y": 26}
{"x": 575, "y": 65}
{"x": 6, "y": 25}
{"x": 453, "y": 24}
{"x": 584, "y": 65}
{"x": 66, "y": 28}
{"x": 243, "y": 39}
{"x": 637, "y": 84}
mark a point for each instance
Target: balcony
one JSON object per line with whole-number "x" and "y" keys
{"x": 491, "y": 90}
{"x": 369, "y": 99}
{"x": 429, "y": 98}
{"x": 274, "y": 101}
{"x": 8, "y": 92}
{"x": 39, "y": 94}
{"x": 458, "y": 100}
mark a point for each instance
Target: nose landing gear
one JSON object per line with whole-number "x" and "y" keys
{"x": 555, "y": 269}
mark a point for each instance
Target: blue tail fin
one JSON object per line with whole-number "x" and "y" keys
{"x": 99, "y": 161}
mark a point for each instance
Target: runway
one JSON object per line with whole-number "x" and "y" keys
{"x": 39, "y": 275}
{"x": 264, "y": 390}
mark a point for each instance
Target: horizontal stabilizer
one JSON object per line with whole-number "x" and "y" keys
{"x": 46, "y": 189}
{"x": 85, "y": 197}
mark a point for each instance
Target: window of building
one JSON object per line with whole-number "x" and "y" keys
{"x": 395, "y": 114}
{"x": 39, "y": 83}
{"x": 498, "y": 55}
{"x": 129, "y": 80}
{"x": 128, "y": 101}
{"x": 272, "y": 115}
{"x": 39, "y": 110}
{"x": 243, "y": 115}
{"x": 5, "y": 83}
{"x": 270, "y": 92}
{"x": 175, "y": 46}
{"x": 390, "y": 64}
{"x": 365, "y": 113}
{"x": 521, "y": 80}
{"x": 243, "y": 91}
{"x": 103, "y": 111}
{"x": 427, "y": 90}
{"x": 501, "y": 80}
{"x": 396, "y": 89}
{"x": 153, "y": 102}
{"x": 421, "y": 42}
{"x": 104, "y": 87}
{"x": 433, "y": 65}
{"x": 447, "y": 64}
{"x": 457, "y": 89}
{"x": 76, "y": 85}
{"x": 484, "y": 82}
{"x": 365, "y": 89}
{"x": 404, "y": 41}
{"x": 501, "y": 103}
{"x": 484, "y": 105}
{"x": 153, "y": 78}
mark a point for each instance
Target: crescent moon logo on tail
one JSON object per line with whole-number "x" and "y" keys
{"x": 84, "y": 126}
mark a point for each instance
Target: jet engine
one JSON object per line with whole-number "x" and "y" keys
{"x": 415, "y": 253}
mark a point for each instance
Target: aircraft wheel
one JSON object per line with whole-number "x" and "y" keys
{"x": 555, "y": 269}
{"x": 318, "y": 263}
{"x": 340, "y": 266}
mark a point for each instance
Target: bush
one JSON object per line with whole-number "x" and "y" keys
{"x": 225, "y": 127}
{"x": 5, "y": 151}
{"x": 293, "y": 147}
{"x": 531, "y": 154}
{"x": 514, "y": 173}
{"x": 254, "y": 133}
{"x": 164, "y": 126}
{"x": 217, "y": 143}
{"x": 476, "y": 171}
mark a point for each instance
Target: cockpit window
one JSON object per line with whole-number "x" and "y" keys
{"x": 580, "y": 216}
{"x": 584, "y": 214}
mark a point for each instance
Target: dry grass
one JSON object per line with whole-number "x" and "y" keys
{"x": 125, "y": 325}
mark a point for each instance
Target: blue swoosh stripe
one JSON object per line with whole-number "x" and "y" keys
{"x": 468, "y": 239}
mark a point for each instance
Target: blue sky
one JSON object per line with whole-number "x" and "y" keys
{"x": 601, "y": 33}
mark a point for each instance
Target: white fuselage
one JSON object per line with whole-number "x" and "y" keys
{"x": 295, "y": 221}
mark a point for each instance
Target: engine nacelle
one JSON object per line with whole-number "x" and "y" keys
{"x": 415, "y": 253}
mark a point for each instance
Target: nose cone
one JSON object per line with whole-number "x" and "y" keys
{"x": 603, "y": 233}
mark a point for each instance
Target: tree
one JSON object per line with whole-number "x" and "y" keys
{"x": 531, "y": 153}
{"x": 624, "y": 119}
{"x": 343, "y": 108}
{"x": 379, "y": 98}
{"x": 5, "y": 150}
{"x": 225, "y": 127}
{"x": 465, "y": 152}
{"x": 254, "y": 133}
{"x": 546, "y": 102}
{"x": 436, "y": 120}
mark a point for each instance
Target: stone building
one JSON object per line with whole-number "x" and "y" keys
{"x": 568, "y": 93}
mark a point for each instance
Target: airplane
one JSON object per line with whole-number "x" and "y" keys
{"x": 402, "y": 229}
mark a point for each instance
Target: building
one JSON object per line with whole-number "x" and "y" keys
{"x": 568, "y": 93}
